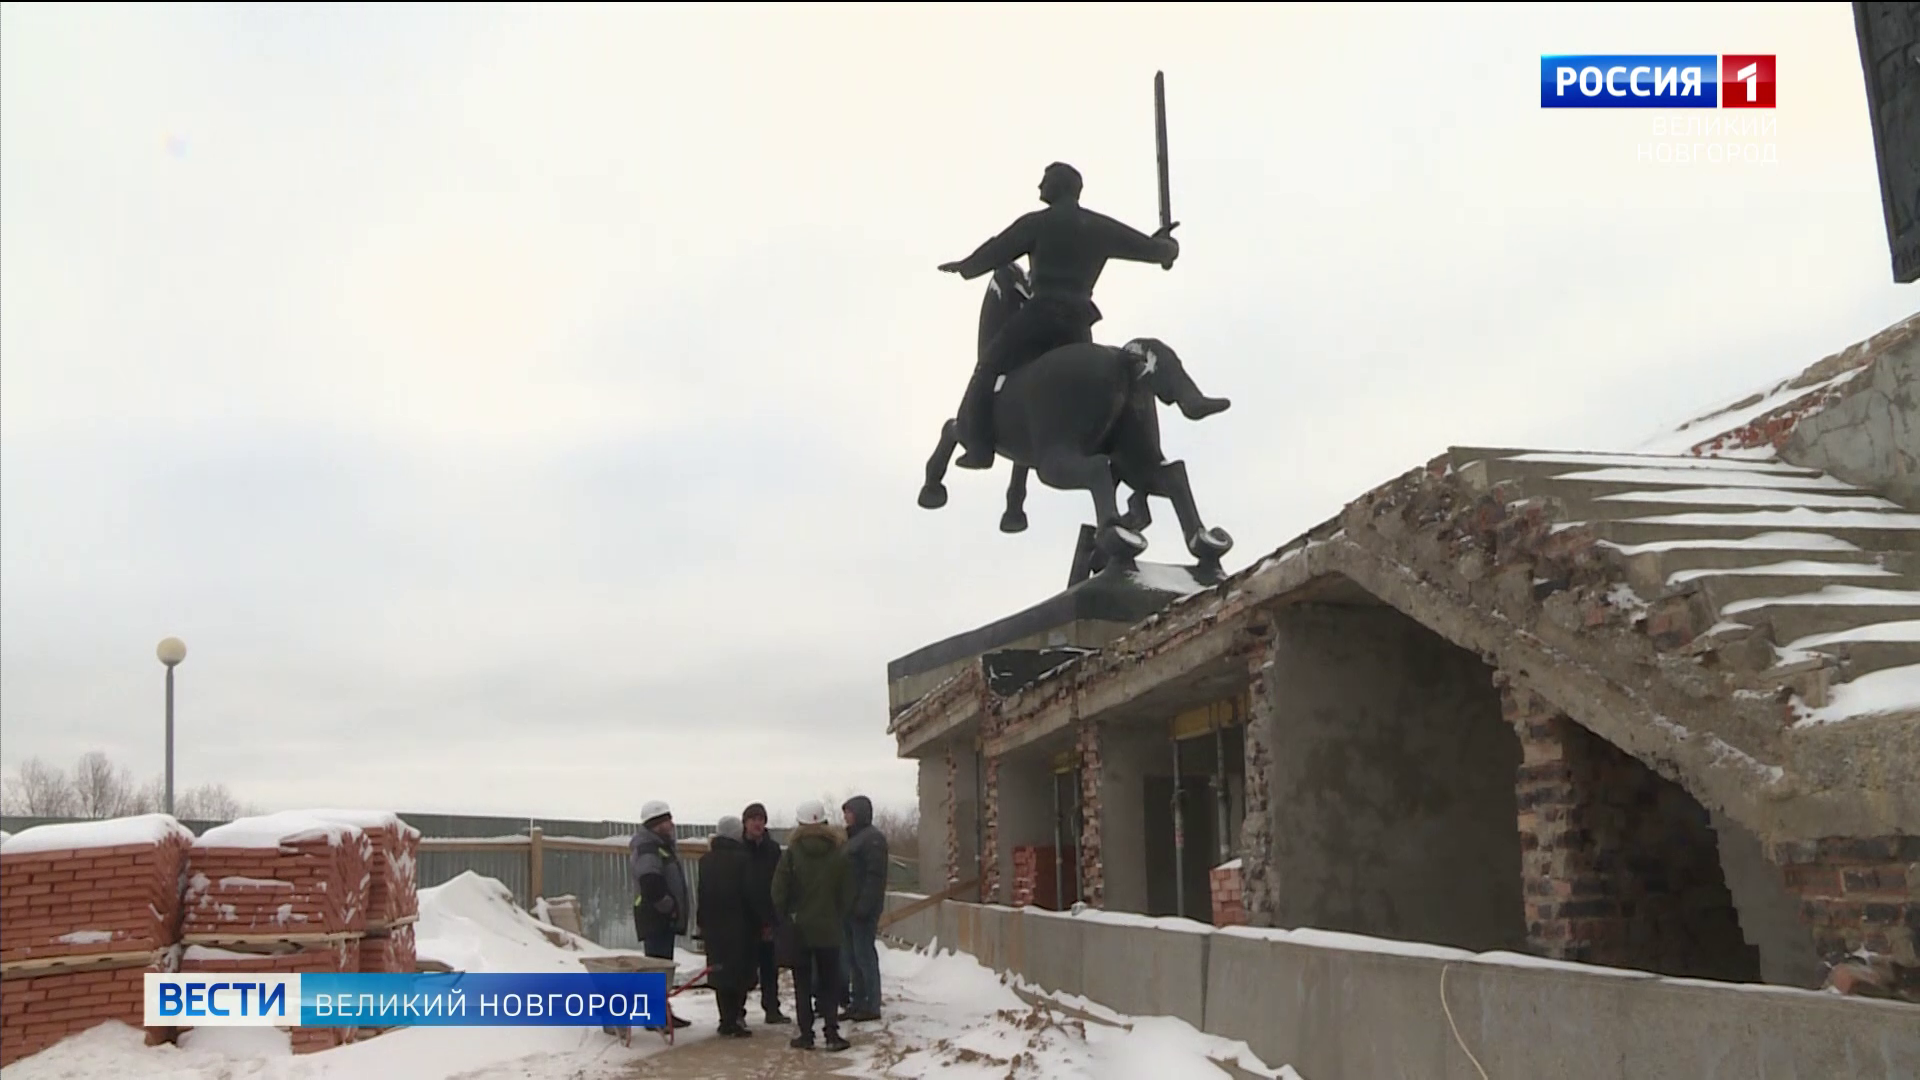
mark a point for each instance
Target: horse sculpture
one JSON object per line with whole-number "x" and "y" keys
{"x": 1085, "y": 418}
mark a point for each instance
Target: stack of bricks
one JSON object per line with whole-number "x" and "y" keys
{"x": 289, "y": 888}
{"x": 1229, "y": 908}
{"x": 88, "y": 908}
{"x": 393, "y": 902}
{"x": 389, "y": 952}
{"x": 1035, "y": 873}
{"x": 289, "y": 959}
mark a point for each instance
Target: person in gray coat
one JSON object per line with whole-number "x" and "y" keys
{"x": 867, "y": 862}
{"x": 660, "y": 909}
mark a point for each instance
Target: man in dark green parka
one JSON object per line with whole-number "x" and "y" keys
{"x": 813, "y": 891}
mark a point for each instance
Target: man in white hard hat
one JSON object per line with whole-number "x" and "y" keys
{"x": 660, "y": 886}
{"x": 813, "y": 895}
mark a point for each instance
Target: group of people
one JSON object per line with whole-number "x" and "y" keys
{"x": 812, "y": 907}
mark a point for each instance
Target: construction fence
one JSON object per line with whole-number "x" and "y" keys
{"x": 542, "y": 857}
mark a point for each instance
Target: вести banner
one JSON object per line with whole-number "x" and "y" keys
{"x": 467, "y": 999}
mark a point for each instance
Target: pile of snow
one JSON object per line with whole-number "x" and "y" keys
{"x": 112, "y": 832}
{"x": 1887, "y": 692}
{"x": 955, "y": 1019}
{"x": 471, "y": 923}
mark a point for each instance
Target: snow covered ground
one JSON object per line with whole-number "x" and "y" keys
{"x": 948, "y": 1018}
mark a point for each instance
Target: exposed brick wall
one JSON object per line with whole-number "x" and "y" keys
{"x": 953, "y": 817}
{"x": 1228, "y": 908}
{"x": 1092, "y": 880}
{"x": 1619, "y": 866}
{"x": 1259, "y": 901}
{"x": 1035, "y": 873}
{"x": 990, "y": 849}
{"x": 1862, "y": 898}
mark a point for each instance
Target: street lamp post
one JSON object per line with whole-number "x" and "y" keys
{"x": 171, "y": 651}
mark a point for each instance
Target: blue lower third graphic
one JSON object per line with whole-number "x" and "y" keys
{"x": 1629, "y": 82}
{"x": 572, "y": 999}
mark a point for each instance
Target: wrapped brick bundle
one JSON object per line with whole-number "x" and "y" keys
{"x": 38, "y": 1011}
{"x": 389, "y": 952}
{"x": 391, "y": 895}
{"x": 330, "y": 958}
{"x": 275, "y": 877}
{"x": 92, "y": 888}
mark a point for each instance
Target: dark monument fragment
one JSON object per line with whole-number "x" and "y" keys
{"x": 1889, "y": 36}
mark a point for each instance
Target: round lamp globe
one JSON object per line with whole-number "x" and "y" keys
{"x": 171, "y": 651}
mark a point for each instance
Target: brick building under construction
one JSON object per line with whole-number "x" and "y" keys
{"x": 1656, "y": 712}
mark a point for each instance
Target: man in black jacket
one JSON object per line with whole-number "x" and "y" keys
{"x": 732, "y": 915}
{"x": 867, "y": 863}
{"x": 764, "y": 851}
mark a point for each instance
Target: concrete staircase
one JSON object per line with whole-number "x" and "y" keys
{"x": 1804, "y": 575}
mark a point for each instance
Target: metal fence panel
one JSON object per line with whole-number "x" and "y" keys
{"x": 597, "y": 881}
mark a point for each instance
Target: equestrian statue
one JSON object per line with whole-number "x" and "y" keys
{"x": 1082, "y": 415}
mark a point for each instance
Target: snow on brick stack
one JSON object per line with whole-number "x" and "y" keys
{"x": 280, "y": 877}
{"x": 88, "y": 908}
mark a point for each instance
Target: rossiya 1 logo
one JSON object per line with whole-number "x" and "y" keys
{"x": 1702, "y": 81}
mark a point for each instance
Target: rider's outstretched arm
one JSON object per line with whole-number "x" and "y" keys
{"x": 1126, "y": 242}
{"x": 1015, "y": 241}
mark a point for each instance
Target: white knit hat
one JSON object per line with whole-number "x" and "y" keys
{"x": 811, "y": 812}
{"x": 653, "y": 810}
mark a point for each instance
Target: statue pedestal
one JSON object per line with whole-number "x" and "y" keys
{"x": 1024, "y": 645}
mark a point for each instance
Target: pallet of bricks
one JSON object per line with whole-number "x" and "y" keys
{"x": 303, "y": 892}
{"x": 86, "y": 910}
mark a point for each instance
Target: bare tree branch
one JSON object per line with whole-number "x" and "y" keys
{"x": 100, "y": 788}
{"x": 40, "y": 790}
{"x": 210, "y": 802}
{"x": 902, "y": 830}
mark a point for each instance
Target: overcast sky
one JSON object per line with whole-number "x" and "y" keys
{"x": 520, "y": 410}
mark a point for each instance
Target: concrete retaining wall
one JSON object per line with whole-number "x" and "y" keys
{"x": 1340, "y": 1006}
{"x": 918, "y": 929}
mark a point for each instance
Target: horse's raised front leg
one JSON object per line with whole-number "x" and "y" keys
{"x": 1068, "y": 471}
{"x": 1015, "y": 519}
{"x": 1169, "y": 481}
{"x": 933, "y": 494}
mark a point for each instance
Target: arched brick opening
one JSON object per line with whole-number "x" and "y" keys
{"x": 1620, "y": 866}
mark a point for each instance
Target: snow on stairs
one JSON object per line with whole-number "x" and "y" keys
{"x": 1810, "y": 575}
